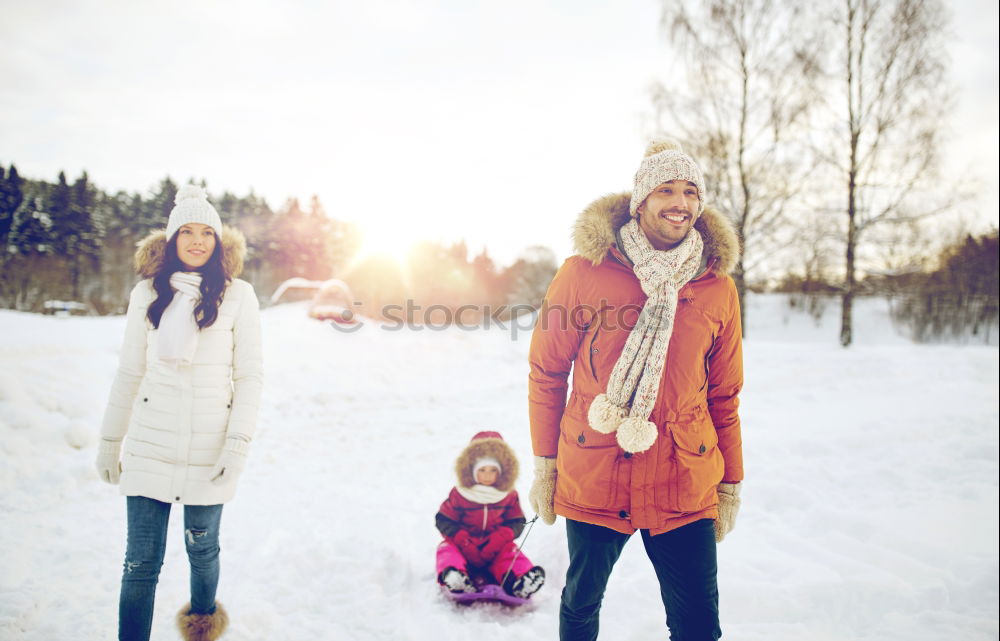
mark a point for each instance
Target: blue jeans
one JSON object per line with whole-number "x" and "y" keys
{"x": 685, "y": 564}
{"x": 147, "y": 541}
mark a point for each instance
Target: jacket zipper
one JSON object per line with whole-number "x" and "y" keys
{"x": 590, "y": 354}
{"x": 708, "y": 355}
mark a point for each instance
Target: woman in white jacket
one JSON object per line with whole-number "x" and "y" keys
{"x": 185, "y": 403}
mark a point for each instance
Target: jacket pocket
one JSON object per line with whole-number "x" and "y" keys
{"x": 695, "y": 466}
{"x": 588, "y": 462}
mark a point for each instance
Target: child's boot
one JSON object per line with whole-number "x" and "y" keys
{"x": 528, "y": 583}
{"x": 456, "y": 581}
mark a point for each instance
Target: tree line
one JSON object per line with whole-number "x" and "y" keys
{"x": 957, "y": 299}
{"x": 72, "y": 241}
{"x": 953, "y": 296}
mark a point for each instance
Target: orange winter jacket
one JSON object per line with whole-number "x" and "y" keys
{"x": 591, "y": 305}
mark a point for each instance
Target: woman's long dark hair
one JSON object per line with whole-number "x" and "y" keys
{"x": 213, "y": 284}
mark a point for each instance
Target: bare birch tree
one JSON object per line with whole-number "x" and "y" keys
{"x": 891, "y": 101}
{"x": 750, "y": 68}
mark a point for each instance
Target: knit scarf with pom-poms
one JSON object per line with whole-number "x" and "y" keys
{"x": 635, "y": 380}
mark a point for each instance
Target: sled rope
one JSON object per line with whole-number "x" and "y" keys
{"x": 531, "y": 524}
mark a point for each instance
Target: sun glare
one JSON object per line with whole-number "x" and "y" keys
{"x": 391, "y": 241}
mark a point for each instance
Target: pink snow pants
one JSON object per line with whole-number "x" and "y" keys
{"x": 449, "y": 556}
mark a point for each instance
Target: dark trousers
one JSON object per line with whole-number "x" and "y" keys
{"x": 685, "y": 564}
{"x": 147, "y": 542}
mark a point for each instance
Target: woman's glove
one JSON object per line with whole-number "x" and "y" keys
{"x": 729, "y": 506}
{"x": 468, "y": 548}
{"x": 109, "y": 468}
{"x": 543, "y": 489}
{"x": 496, "y": 541}
{"x": 231, "y": 461}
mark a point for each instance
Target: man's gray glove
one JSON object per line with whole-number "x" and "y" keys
{"x": 543, "y": 489}
{"x": 109, "y": 468}
{"x": 729, "y": 506}
{"x": 231, "y": 461}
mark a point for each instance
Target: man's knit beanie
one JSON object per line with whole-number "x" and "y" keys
{"x": 664, "y": 161}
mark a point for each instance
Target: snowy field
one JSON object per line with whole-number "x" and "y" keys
{"x": 869, "y": 508}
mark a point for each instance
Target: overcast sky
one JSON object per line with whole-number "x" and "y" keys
{"x": 490, "y": 121}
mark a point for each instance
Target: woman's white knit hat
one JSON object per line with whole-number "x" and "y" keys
{"x": 664, "y": 161}
{"x": 191, "y": 206}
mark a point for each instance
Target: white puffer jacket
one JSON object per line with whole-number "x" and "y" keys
{"x": 175, "y": 421}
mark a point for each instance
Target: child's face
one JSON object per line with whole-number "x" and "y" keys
{"x": 487, "y": 475}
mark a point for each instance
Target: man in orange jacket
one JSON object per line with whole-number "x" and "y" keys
{"x": 648, "y": 322}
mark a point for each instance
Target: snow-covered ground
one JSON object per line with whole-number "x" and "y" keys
{"x": 869, "y": 509}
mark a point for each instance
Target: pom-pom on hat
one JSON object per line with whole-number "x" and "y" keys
{"x": 664, "y": 161}
{"x": 191, "y": 206}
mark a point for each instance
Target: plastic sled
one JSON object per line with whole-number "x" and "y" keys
{"x": 486, "y": 590}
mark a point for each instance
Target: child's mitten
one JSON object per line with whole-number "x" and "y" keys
{"x": 497, "y": 541}
{"x": 468, "y": 548}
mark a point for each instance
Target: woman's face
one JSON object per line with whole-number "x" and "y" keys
{"x": 195, "y": 244}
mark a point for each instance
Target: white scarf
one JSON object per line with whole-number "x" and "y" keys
{"x": 635, "y": 380}
{"x": 178, "y": 331}
{"x": 482, "y": 494}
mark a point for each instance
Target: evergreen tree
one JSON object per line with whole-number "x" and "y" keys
{"x": 156, "y": 211}
{"x": 57, "y": 206}
{"x": 83, "y": 202}
{"x": 116, "y": 216}
{"x": 11, "y": 197}
{"x": 252, "y": 216}
{"x": 228, "y": 206}
{"x": 74, "y": 235}
{"x": 488, "y": 281}
{"x": 31, "y": 231}
{"x": 317, "y": 230}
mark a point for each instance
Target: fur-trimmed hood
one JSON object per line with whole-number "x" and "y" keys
{"x": 493, "y": 447}
{"x": 595, "y": 228}
{"x": 150, "y": 252}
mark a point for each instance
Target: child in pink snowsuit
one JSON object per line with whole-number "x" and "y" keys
{"x": 480, "y": 520}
